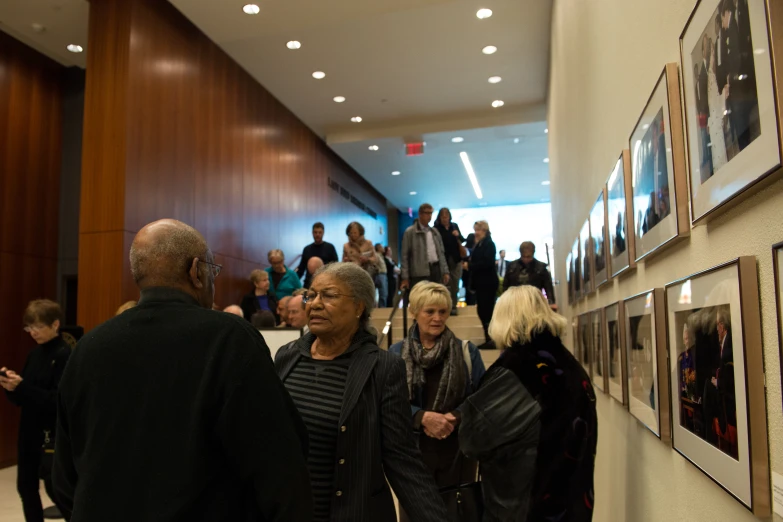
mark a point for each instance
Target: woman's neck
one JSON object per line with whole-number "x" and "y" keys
{"x": 326, "y": 349}
{"x": 427, "y": 340}
{"x": 260, "y": 292}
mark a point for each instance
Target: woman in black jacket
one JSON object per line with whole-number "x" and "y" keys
{"x": 483, "y": 275}
{"x": 452, "y": 244}
{"x": 260, "y": 298}
{"x": 35, "y": 391}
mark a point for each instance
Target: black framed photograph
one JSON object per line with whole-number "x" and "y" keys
{"x": 731, "y": 120}
{"x": 585, "y": 245}
{"x": 659, "y": 179}
{"x": 583, "y": 342}
{"x": 645, "y": 347}
{"x": 716, "y": 374}
{"x": 598, "y": 240}
{"x": 619, "y": 210}
{"x": 614, "y": 329}
{"x": 576, "y": 275}
{"x": 598, "y": 350}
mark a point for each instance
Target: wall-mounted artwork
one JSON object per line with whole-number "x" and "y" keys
{"x": 598, "y": 240}
{"x": 777, "y": 263}
{"x": 619, "y": 210}
{"x": 569, "y": 272}
{"x": 717, "y": 378}
{"x": 576, "y": 276}
{"x": 645, "y": 347}
{"x": 586, "y": 246}
{"x": 659, "y": 179}
{"x": 730, "y": 110}
{"x": 583, "y": 342}
{"x": 614, "y": 329}
{"x": 598, "y": 350}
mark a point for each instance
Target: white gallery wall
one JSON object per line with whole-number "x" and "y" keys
{"x": 606, "y": 58}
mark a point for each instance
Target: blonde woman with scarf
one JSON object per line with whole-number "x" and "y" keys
{"x": 359, "y": 250}
{"x": 442, "y": 371}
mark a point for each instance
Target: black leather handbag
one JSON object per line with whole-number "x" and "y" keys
{"x": 464, "y": 502}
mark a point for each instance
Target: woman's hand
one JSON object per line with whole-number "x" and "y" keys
{"x": 437, "y": 425}
{"x": 12, "y": 381}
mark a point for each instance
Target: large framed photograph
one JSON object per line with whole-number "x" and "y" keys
{"x": 731, "y": 120}
{"x": 569, "y": 271}
{"x": 619, "y": 210}
{"x": 585, "y": 244}
{"x": 645, "y": 347}
{"x": 583, "y": 342}
{"x": 717, "y": 379}
{"x": 576, "y": 275}
{"x": 659, "y": 183}
{"x": 777, "y": 264}
{"x": 614, "y": 329}
{"x": 598, "y": 350}
{"x": 598, "y": 240}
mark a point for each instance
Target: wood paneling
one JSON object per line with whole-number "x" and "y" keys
{"x": 194, "y": 137}
{"x": 30, "y": 156}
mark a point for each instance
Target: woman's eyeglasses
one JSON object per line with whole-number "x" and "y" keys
{"x": 214, "y": 267}
{"x": 327, "y": 296}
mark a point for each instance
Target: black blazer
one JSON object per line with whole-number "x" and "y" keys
{"x": 483, "y": 268}
{"x": 375, "y": 439}
{"x": 249, "y": 305}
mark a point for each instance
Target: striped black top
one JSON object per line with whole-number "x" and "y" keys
{"x": 317, "y": 388}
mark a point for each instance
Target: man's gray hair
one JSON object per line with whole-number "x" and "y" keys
{"x": 166, "y": 261}
{"x": 358, "y": 280}
{"x": 275, "y": 253}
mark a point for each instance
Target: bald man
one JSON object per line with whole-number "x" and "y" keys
{"x": 282, "y": 310}
{"x": 312, "y": 265}
{"x": 174, "y": 412}
{"x": 234, "y": 309}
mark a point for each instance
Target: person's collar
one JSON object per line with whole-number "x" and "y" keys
{"x": 57, "y": 340}
{"x": 422, "y": 228}
{"x": 360, "y": 339}
{"x": 159, "y": 294}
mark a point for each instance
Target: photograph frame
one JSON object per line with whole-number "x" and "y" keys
{"x": 598, "y": 353}
{"x": 569, "y": 272}
{"x": 646, "y": 415}
{"x": 602, "y": 276}
{"x": 777, "y": 267}
{"x": 583, "y": 344}
{"x": 746, "y": 476}
{"x": 576, "y": 277}
{"x": 626, "y": 261}
{"x": 674, "y": 226}
{"x": 724, "y": 191}
{"x": 588, "y": 262}
{"x": 621, "y": 394}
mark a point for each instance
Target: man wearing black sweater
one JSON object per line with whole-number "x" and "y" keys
{"x": 172, "y": 411}
{"x": 318, "y": 248}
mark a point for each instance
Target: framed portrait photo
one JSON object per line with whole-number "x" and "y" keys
{"x": 576, "y": 275}
{"x": 614, "y": 329}
{"x": 598, "y": 350}
{"x": 586, "y": 246}
{"x": 732, "y": 126}
{"x": 659, "y": 180}
{"x": 598, "y": 240}
{"x": 719, "y": 418}
{"x": 619, "y": 210}
{"x": 583, "y": 342}
{"x": 645, "y": 347}
{"x": 569, "y": 272}
{"x": 777, "y": 264}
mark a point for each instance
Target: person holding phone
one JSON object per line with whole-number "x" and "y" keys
{"x": 34, "y": 390}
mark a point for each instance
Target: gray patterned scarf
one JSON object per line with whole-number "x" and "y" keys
{"x": 448, "y": 350}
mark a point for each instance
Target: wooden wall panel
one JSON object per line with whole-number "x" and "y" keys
{"x": 203, "y": 142}
{"x": 30, "y": 156}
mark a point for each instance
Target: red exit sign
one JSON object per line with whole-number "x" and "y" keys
{"x": 414, "y": 149}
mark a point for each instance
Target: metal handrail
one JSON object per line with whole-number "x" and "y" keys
{"x": 386, "y": 333}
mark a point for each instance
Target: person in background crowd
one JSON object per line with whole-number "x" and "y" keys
{"x": 483, "y": 276}
{"x": 312, "y": 266}
{"x": 423, "y": 257}
{"x": 173, "y": 412}
{"x": 263, "y": 319}
{"x": 392, "y": 271}
{"x": 502, "y": 264}
{"x": 34, "y": 389}
{"x": 284, "y": 280}
{"x": 296, "y": 313}
{"x": 527, "y": 270}
{"x": 125, "y": 306}
{"x": 299, "y": 291}
{"x": 470, "y": 244}
{"x": 532, "y": 423}
{"x": 382, "y": 279}
{"x": 234, "y": 309}
{"x": 455, "y": 252}
{"x": 359, "y": 250}
{"x": 282, "y": 311}
{"x": 318, "y": 248}
{"x": 259, "y": 297}
{"x": 353, "y": 399}
{"x": 441, "y": 372}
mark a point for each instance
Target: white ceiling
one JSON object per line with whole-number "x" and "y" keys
{"x": 412, "y": 69}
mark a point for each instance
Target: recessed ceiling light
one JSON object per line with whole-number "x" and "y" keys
{"x": 490, "y": 49}
{"x": 546, "y": 160}
{"x": 481, "y": 14}
{"x": 498, "y": 103}
{"x": 457, "y": 139}
{"x": 339, "y": 99}
{"x": 545, "y": 183}
{"x": 293, "y": 44}
{"x": 396, "y": 173}
{"x": 75, "y": 48}
{"x": 373, "y": 147}
{"x": 546, "y": 131}
{"x": 413, "y": 193}
{"x": 495, "y": 79}
{"x": 319, "y": 75}
{"x": 356, "y": 119}
{"x": 516, "y": 140}
{"x": 251, "y": 9}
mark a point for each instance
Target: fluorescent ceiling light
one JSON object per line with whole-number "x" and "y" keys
{"x": 396, "y": 173}
{"x": 457, "y": 139}
{"x": 471, "y": 174}
{"x": 293, "y": 44}
{"x": 495, "y": 79}
{"x": 339, "y": 99}
{"x": 490, "y": 49}
{"x": 319, "y": 75}
{"x": 545, "y": 183}
{"x": 75, "y": 48}
{"x": 251, "y": 9}
{"x": 498, "y": 103}
{"x": 373, "y": 147}
{"x": 356, "y": 119}
{"x": 482, "y": 14}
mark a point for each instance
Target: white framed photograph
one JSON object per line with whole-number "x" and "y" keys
{"x": 659, "y": 179}
{"x": 614, "y": 328}
{"x": 598, "y": 350}
{"x": 717, "y": 378}
{"x": 598, "y": 240}
{"x": 583, "y": 342}
{"x": 731, "y": 121}
{"x": 619, "y": 210}
{"x": 576, "y": 275}
{"x": 569, "y": 272}
{"x": 586, "y": 247}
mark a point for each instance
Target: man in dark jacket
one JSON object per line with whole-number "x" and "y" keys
{"x": 527, "y": 270}
{"x": 318, "y": 248}
{"x": 172, "y": 411}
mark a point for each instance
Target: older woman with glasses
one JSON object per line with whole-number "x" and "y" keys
{"x": 441, "y": 372}
{"x": 34, "y": 389}
{"x": 352, "y": 397}
{"x": 283, "y": 280}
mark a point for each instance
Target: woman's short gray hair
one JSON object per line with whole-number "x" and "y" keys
{"x": 358, "y": 280}
{"x": 275, "y": 253}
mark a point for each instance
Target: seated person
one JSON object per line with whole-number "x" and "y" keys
{"x": 234, "y": 309}
{"x": 263, "y": 319}
{"x": 259, "y": 298}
